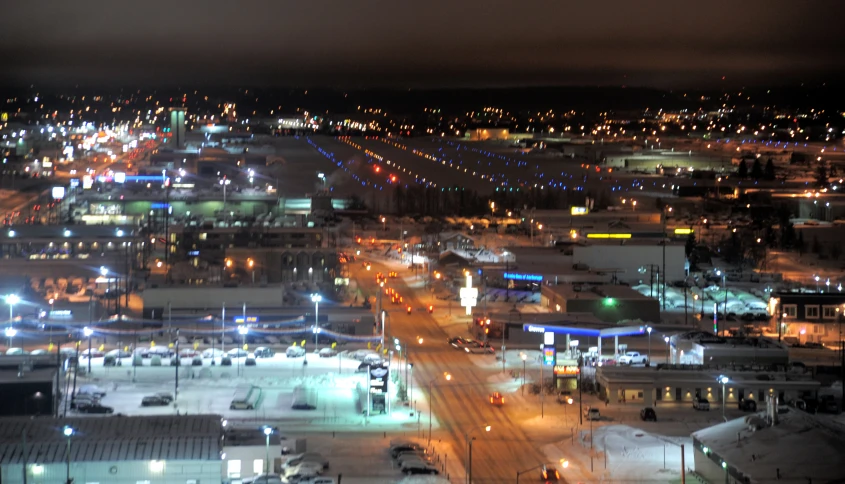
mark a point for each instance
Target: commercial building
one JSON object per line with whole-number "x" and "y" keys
{"x": 609, "y": 303}
{"x": 794, "y": 447}
{"x": 114, "y": 450}
{"x": 30, "y": 385}
{"x": 632, "y": 261}
{"x": 701, "y": 348}
{"x": 177, "y": 128}
{"x": 652, "y": 386}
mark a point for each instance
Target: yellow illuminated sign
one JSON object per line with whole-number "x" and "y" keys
{"x": 608, "y": 236}
{"x": 579, "y": 210}
{"x": 683, "y": 231}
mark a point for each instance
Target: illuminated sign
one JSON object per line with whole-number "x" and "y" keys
{"x": 566, "y": 370}
{"x": 74, "y": 182}
{"x": 536, "y": 329}
{"x": 159, "y": 205}
{"x": 683, "y": 231}
{"x": 378, "y": 379}
{"x": 523, "y": 277}
{"x": 120, "y": 177}
{"x": 549, "y": 355}
{"x": 579, "y": 211}
{"x": 608, "y": 236}
{"x": 249, "y": 319}
{"x": 193, "y": 253}
{"x": 469, "y": 295}
{"x": 58, "y": 193}
{"x": 87, "y": 182}
{"x": 62, "y": 313}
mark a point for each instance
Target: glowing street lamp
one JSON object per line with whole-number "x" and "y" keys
{"x": 11, "y": 300}
{"x": 88, "y": 332}
{"x": 68, "y": 432}
{"x": 469, "y": 442}
{"x": 268, "y": 431}
{"x": 316, "y": 298}
{"x": 11, "y": 333}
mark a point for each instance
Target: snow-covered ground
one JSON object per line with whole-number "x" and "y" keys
{"x": 209, "y": 389}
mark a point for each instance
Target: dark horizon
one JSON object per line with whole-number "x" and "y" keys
{"x": 375, "y": 44}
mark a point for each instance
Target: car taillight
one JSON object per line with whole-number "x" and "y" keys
{"x": 545, "y": 475}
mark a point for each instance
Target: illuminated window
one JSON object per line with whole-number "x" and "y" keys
{"x": 233, "y": 468}
{"x": 790, "y": 311}
{"x": 203, "y": 235}
{"x": 258, "y": 466}
{"x": 830, "y": 312}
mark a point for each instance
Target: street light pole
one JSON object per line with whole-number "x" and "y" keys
{"x": 88, "y": 332}
{"x": 648, "y": 329}
{"x": 524, "y": 357}
{"x": 11, "y": 300}
{"x": 668, "y": 351}
{"x": 469, "y": 450}
{"x": 243, "y": 330}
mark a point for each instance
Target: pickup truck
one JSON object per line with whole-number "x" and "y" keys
{"x": 633, "y": 358}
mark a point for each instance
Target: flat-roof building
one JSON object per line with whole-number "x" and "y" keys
{"x": 702, "y": 348}
{"x": 609, "y": 303}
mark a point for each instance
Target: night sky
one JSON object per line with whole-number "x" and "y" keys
{"x": 431, "y": 43}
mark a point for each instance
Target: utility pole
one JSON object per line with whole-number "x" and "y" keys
{"x": 178, "y": 363}
{"x": 663, "y": 303}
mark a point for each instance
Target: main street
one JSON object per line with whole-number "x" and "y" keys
{"x": 460, "y": 404}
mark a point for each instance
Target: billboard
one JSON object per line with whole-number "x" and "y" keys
{"x": 378, "y": 379}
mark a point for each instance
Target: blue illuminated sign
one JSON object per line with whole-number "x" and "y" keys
{"x": 159, "y": 205}
{"x": 523, "y": 277}
{"x": 249, "y": 319}
{"x": 193, "y": 253}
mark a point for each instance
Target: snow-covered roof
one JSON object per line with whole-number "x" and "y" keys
{"x": 801, "y": 445}
{"x": 194, "y": 437}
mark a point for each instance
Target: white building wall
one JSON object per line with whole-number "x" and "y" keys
{"x": 629, "y": 258}
{"x": 248, "y": 455}
{"x": 120, "y": 472}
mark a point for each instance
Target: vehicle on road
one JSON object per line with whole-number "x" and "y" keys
{"x": 549, "y": 473}
{"x": 648, "y": 414}
{"x": 565, "y": 396}
{"x": 458, "y": 342}
{"x": 633, "y": 358}
{"x": 699, "y": 403}
{"x": 592, "y": 413}
{"x": 479, "y": 347}
{"x": 497, "y": 399}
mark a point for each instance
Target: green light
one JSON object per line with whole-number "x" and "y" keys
{"x": 609, "y": 301}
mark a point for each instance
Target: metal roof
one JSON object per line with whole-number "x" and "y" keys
{"x": 119, "y": 438}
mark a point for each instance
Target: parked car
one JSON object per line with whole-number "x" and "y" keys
{"x": 188, "y": 353}
{"x": 237, "y": 353}
{"x": 404, "y": 447}
{"x": 647, "y": 414}
{"x": 313, "y": 457}
{"x": 360, "y": 354}
{"x": 412, "y": 468}
{"x": 699, "y": 403}
{"x": 94, "y": 408}
{"x": 264, "y": 479}
{"x": 747, "y": 405}
{"x": 592, "y": 413}
{"x": 633, "y": 358}
{"x": 327, "y": 352}
{"x": 303, "y": 468}
{"x": 118, "y": 353}
{"x": 93, "y": 353}
{"x": 166, "y": 396}
{"x": 295, "y": 351}
{"x": 264, "y": 352}
{"x": 92, "y": 390}
{"x": 154, "y": 401}
{"x": 212, "y": 353}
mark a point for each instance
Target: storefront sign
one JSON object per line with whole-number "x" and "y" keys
{"x": 566, "y": 370}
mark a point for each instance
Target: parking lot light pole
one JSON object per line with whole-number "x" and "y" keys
{"x": 11, "y": 333}
{"x": 268, "y": 431}
{"x": 178, "y": 364}
{"x": 316, "y": 298}
{"x": 68, "y": 431}
{"x": 668, "y": 351}
{"x": 724, "y": 381}
{"x": 524, "y": 357}
{"x": 242, "y": 330}
{"x": 11, "y": 300}
{"x": 648, "y": 330}
{"x": 88, "y": 332}
{"x": 469, "y": 442}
